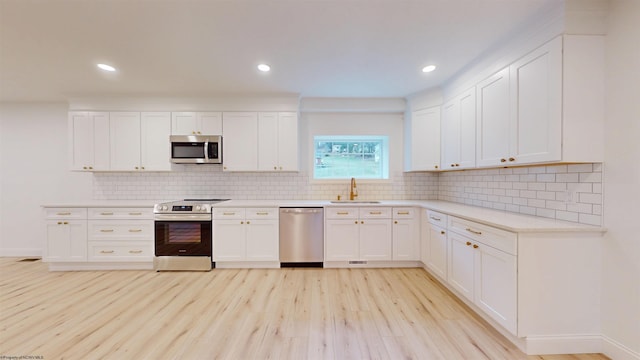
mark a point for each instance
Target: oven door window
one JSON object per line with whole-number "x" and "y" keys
{"x": 187, "y": 150}
{"x": 183, "y": 238}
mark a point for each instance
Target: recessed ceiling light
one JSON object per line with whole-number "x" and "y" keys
{"x": 264, "y": 67}
{"x": 106, "y": 67}
{"x": 428, "y": 68}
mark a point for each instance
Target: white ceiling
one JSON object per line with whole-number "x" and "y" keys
{"x": 316, "y": 48}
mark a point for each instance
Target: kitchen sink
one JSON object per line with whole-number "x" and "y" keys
{"x": 354, "y": 202}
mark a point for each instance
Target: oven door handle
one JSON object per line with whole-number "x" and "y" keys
{"x": 206, "y": 149}
{"x": 182, "y": 217}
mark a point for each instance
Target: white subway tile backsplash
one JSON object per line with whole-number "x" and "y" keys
{"x": 540, "y": 191}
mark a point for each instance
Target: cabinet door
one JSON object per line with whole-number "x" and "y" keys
{"x": 240, "y": 141}
{"x": 268, "y": 141}
{"x": 89, "y": 140}
{"x": 424, "y": 237}
{"x": 262, "y": 240}
{"x": 229, "y": 240}
{"x": 375, "y": 239}
{"x": 460, "y": 265}
{"x": 66, "y": 240}
{"x": 155, "y": 149}
{"x": 184, "y": 123}
{"x": 125, "y": 141}
{"x": 425, "y": 139}
{"x": 405, "y": 240}
{"x": 493, "y": 119}
{"x": 288, "y": 141}
{"x": 341, "y": 240}
{"x": 209, "y": 123}
{"x": 450, "y": 135}
{"x": 437, "y": 260}
{"x": 536, "y": 103}
{"x": 467, "y": 140}
{"x": 495, "y": 288}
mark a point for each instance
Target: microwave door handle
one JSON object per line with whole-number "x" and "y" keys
{"x": 206, "y": 150}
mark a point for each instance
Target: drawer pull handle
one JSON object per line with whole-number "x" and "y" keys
{"x": 403, "y": 213}
{"x": 63, "y": 222}
{"x": 135, "y": 251}
{"x": 375, "y": 212}
{"x": 135, "y": 230}
{"x": 262, "y": 213}
{"x": 106, "y": 230}
{"x": 343, "y": 213}
{"x": 434, "y": 218}
{"x": 135, "y": 213}
{"x": 474, "y": 231}
{"x": 64, "y": 213}
{"x": 468, "y": 243}
{"x": 475, "y": 246}
{"x": 106, "y": 213}
{"x": 106, "y": 251}
{"x": 228, "y": 213}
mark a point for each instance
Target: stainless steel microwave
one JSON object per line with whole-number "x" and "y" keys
{"x": 196, "y": 149}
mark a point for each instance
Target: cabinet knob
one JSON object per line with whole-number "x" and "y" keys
{"x": 142, "y": 167}
{"x": 452, "y": 165}
{"x": 248, "y": 222}
{"x": 280, "y": 167}
{"x": 512, "y": 159}
{"x": 436, "y": 166}
{"x": 395, "y": 222}
{"x": 361, "y": 222}
{"x": 199, "y": 133}
{"x": 59, "y": 222}
{"x": 503, "y": 160}
{"x": 224, "y": 168}
{"x": 475, "y": 246}
{"x": 65, "y": 223}
{"x": 241, "y": 222}
{"x": 468, "y": 243}
{"x": 84, "y": 168}
{"x": 457, "y": 165}
{"x": 136, "y": 168}
{"x": 356, "y": 222}
{"x": 442, "y": 232}
{"x": 193, "y": 133}
{"x": 275, "y": 168}
{"x": 90, "y": 167}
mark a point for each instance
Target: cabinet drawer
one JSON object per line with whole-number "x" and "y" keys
{"x": 437, "y": 218}
{"x": 375, "y": 213}
{"x": 129, "y": 251}
{"x": 228, "y": 213}
{"x": 120, "y": 213}
{"x": 404, "y": 212}
{"x": 341, "y": 213}
{"x": 262, "y": 213}
{"x": 488, "y": 235}
{"x": 65, "y": 213}
{"x": 120, "y": 230}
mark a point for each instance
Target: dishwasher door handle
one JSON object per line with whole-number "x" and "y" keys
{"x": 300, "y": 211}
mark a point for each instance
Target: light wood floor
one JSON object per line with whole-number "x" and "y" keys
{"x": 240, "y": 314}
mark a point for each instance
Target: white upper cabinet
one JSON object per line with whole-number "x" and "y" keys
{"x": 89, "y": 140}
{"x": 125, "y": 141}
{"x": 422, "y": 130}
{"x": 265, "y": 141}
{"x": 155, "y": 129}
{"x": 240, "y": 141}
{"x": 459, "y": 132}
{"x": 546, "y": 107}
{"x": 196, "y": 123}
{"x": 493, "y": 119}
{"x": 140, "y": 141}
{"x": 535, "y": 131}
{"x": 277, "y": 141}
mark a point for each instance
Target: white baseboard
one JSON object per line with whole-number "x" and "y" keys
{"x": 247, "y": 265}
{"x": 617, "y": 351}
{"x": 21, "y": 252}
{"x": 99, "y": 266}
{"x": 563, "y": 344}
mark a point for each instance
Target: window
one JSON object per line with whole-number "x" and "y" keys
{"x": 344, "y": 157}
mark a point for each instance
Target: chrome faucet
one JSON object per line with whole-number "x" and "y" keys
{"x": 353, "y": 191}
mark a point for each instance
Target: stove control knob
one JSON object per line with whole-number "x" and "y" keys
{"x": 165, "y": 207}
{"x": 197, "y": 207}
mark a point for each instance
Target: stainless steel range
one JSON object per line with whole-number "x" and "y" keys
{"x": 183, "y": 235}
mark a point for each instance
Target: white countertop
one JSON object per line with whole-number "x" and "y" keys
{"x": 497, "y": 218}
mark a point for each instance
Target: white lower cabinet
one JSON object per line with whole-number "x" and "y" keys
{"x": 358, "y": 234}
{"x": 87, "y": 236}
{"x": 482, "y": 267}
{"x": 406, "y": 238}
{"x": 435, "y": 243}
{"x": 250, "y": 234}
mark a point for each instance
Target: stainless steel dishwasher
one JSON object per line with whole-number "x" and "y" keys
{"x": 301, "y": 237}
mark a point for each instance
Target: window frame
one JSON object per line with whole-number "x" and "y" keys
{"x": 385, "y": 157}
